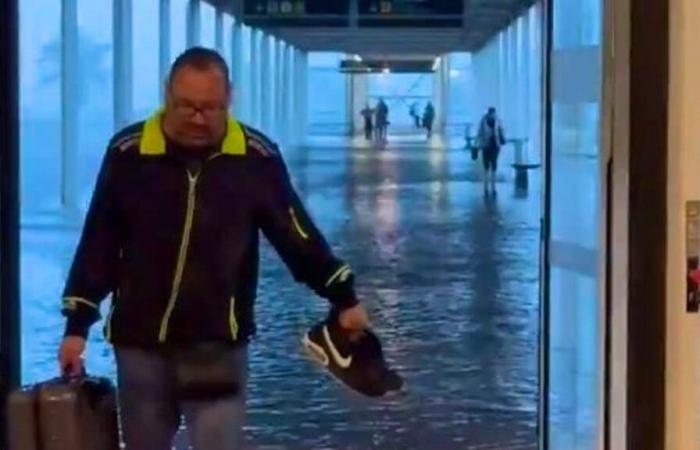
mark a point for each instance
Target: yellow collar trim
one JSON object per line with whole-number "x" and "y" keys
{"x": 153, "y": 139}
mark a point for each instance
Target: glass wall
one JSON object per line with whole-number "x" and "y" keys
{"x": 461, "y": 108}
{"x": 40, "y": 104}
{"x": 96, "y": 101}
{"x": 575, "y": 288}
{"x": 327, "y": 112}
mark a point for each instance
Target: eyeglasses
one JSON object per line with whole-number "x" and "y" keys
{"x": 188, "y": 110}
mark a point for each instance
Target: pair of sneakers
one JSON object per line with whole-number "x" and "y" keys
{"x": 354, "y": 359}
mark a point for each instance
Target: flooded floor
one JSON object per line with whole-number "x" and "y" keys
{"x": 449, "y": 274}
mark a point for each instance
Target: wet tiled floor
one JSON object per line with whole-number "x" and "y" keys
{"x": 450, "y": 276}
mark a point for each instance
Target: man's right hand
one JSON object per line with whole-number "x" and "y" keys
{"x": 70, "y": 355}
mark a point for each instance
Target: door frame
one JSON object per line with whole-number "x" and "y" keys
{"x": 633, "y": 227}
{"x": 10, "y": 358}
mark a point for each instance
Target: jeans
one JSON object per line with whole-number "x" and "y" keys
{"x": 150, "y": 412}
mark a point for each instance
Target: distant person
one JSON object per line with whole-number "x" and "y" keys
{"x": 367, "y": 114}
{"x": 429, "y": 118}
{"x": 381, "y": 120}
{"x": 491, "y": 138}
{"x": 413, "y": 112}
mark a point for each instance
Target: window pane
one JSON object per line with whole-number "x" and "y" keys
{"x": 461, "y": 91}
{"x": 178, "y": 27}
{"x": 40, "y": 104}
{"x": 40, "y": 167}
{"x": 95, "y": 46}
{"x": 575, "y": 328}
{"x": 147, "y": 85}
{"x": 577, "y": 23}
{"x": 208, "y": 20}
{"x": 327, "y": 113}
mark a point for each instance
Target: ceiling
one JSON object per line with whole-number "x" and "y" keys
{"x": 483, "y": 20}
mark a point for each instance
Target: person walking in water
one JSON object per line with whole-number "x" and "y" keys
{"x": 491, "y": 139}
{"x": 429, "y": 118}
{"x": 381, "y": 120}
{"x": 367, "y": 113}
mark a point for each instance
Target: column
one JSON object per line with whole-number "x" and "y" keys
{"x": 254, "y": 98}
{"x": 436, "y": 97}
{"x": 265, "y": 84}
{"x": 164, "y": 44}
{"x": 279, "y": 91}
{"x": 282, "y": 93}
{"x": 239, "y": 94}
{"x": 70, "y": 82}
{"x": 523, "y": 74}
{"x": 285, "y": 93}
{"x": 194, "y": 24}
{"x": 513, "y": 99}
{"x": 219, "y": 30}
{"x": 123, "y": 60}
{"x": 349, "y": 104}
{"x": 445, "y": 94}
{"x": 360, "y": 98}
{"x": 535, "y": 69}
{"x": 292, "y": 96}
{"x": 302, "y": 67}
{"x": 441, "y": 84}
{"x": 502, "y": 71}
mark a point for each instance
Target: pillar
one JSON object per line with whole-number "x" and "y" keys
{"x": 265, "y": 83}
{"x": 70, "y": 93}
{"x": 239, "y": 93}
{"x": 254, "y": 99}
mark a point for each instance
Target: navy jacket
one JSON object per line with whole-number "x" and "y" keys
{"x": 176, "y": 242}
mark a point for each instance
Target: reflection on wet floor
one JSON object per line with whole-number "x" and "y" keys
{"x": 450, "y": 275}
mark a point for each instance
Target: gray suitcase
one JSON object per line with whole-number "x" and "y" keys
{"x": 61, "y": 414}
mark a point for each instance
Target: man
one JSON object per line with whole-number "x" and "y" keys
{"x": 491, "y": 139}
{"x": 429, "y": 118}
{"x": 172, "y": 234}
{"x": 381, "y": 121}
{"x": 367, "y": 113}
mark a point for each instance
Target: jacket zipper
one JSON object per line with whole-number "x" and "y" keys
{"x": 182, "y": 255}
{"x": 232, "y": 321}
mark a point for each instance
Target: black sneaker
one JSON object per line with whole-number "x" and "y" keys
{"x": 358, "y": 363}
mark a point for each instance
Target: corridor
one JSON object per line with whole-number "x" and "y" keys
{"x": 450, "y": 276}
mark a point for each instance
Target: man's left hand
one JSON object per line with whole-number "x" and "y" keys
{"x": 354, "y": 319}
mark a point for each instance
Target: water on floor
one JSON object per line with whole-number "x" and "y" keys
{"x": 449, "y": 273}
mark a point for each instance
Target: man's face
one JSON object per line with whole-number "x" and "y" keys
{"x": 196, "y": 108}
